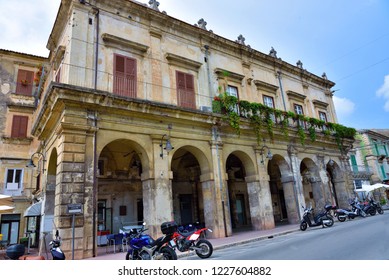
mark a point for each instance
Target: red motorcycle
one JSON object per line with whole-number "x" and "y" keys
{"x": 192, "y": 241}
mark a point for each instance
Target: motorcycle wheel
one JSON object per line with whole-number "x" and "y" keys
{"x": 128, "y": 256}
{"x": 206, "y": 249}
{"x": 303, "y": 226}
{"x": 331, "y": 223}
{"x": 341, "y": 218}
{"x": 168, "y": 253}
{"x": 372, "y": 211}
{"x": 380, "y": 211}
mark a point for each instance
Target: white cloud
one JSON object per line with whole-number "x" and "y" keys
{"x": 384, "y": 92}
{"x": 343, "y": 106}
{"x": 27, "y": 24}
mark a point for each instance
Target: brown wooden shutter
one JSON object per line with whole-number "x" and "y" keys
{"x": 125, "y": 78}
{"x": 19, "y": 126}
{"x": 24, "y": 82}
{"x": 185, "y": 90}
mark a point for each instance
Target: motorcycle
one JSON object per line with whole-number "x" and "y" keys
{"x": 322, "y": 219}
{"x": 357, "y": 208}
{"x": 144, "y": 247}
{"x": 343, "y": 214}
{"x": 192, "y": 241}
{"x": 368, "y": 208}
{"x": 376, "y": 205}
{"x": 55, "y": 249}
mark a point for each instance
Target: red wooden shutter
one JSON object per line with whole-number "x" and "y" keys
{"x": 124, "y": 80}
{"x": 19, "y": 127}
{"x": 24, "y": 82}
{"x": 185, "y": 90}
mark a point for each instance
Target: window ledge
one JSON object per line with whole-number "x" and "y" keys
{"x": 17, "y": 141}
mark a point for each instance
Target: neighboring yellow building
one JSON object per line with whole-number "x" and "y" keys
{"x": 132, "y": 127}
{"x": 19, "y": 81}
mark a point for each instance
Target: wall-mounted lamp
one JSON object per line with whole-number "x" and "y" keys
{"x": 168, "y": 146}
{"x": 269, "y": 154}
{"x": 31, "y": 164}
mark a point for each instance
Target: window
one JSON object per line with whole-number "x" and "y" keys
{"x": 233, "y": 91}
{"x": 268, "y": 101}
{"x": 298, "y": 109}
{"x": 322, "y": 116}
{"x": 124, "y": 76}
{"x": 24, "y": 82}
{"x": 19, "y": 126}
{"x": 185, "y": 90}
{"x": 14, "y": 179}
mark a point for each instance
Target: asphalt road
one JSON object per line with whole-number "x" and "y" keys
{"x": 358, "y": 239}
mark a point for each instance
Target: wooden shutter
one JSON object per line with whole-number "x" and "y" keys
{"x": 24, "y": 82}
{"x": 19, "y": 127}
{"x": 124, "y": 80}
{"x": 185, "y": 90}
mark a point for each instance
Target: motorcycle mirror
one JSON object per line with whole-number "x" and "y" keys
{"x": 56, "y": 233}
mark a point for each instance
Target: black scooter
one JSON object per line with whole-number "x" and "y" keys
{"x": 323, "y": 219}
{"x": 55, "y": 249}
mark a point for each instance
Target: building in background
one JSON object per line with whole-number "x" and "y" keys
{"x": 19, "y": 80}
{"x": 143, "y": 117}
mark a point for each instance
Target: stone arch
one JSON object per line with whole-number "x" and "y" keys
{"x": 50, "y": 192}
{"x": 121, "y": 163}
{"x": 240, "y": 168}
{"x": 282, "y": 190}
{"x": 313, "y": 191}
{"x": 188, "y": 164}
{"x": 336, "y": 184}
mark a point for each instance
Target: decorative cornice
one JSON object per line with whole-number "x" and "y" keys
{"x": 295, "y": 95}
{"x": 112, "y": 40}
{"x": 225, "y": 74}
{"x": 320, "y": 104}
{"x": 183, "y": 62}
{"x": 265, "y": 86}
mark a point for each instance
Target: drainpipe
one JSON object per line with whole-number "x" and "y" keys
{"x": 208, "y": 71}
{"x": 281, "y": 88}
{"x": 97, "y": 46}
{"x": 94, "y": 192}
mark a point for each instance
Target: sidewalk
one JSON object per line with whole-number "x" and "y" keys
{"x": 218, "y": 243}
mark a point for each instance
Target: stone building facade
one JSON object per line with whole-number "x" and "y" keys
{"x": 128, "y": 128}
{"x": 19, "y": 82}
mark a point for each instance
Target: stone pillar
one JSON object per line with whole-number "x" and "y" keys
{"x": 212, "y": 218}
{"x": 291, "y": 202}
{"x": 157, "y": 191}
{"x": 72, "y": 188}
{"x": 221, "y": 205}
{"x": 342, "y": 193}
{"x": 261, "y": 208}
{"x": 318, "y": 194}
{"x": 295, "y": 168}
{"x": 263, "y": 189}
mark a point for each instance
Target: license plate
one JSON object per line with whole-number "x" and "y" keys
{"x": 172, "y": 243}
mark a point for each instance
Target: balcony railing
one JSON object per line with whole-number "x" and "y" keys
{"x": 126, "y": 87}
{"x": 360, "y": 171}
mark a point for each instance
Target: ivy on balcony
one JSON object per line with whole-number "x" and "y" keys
{"x": 265, "y": 118}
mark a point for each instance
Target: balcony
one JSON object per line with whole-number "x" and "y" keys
{"x": 360, "y": 172}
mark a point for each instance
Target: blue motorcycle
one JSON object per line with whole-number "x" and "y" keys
{"x": 144, "y": 247}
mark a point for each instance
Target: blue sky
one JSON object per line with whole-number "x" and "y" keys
{"x": 347, "y": 39}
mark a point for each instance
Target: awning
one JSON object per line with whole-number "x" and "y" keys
{"x": 34, "y": 210}
{"x": 4, "y": 209}
{"x": 5, "y": 200}
{"x": 369, "y": 188}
